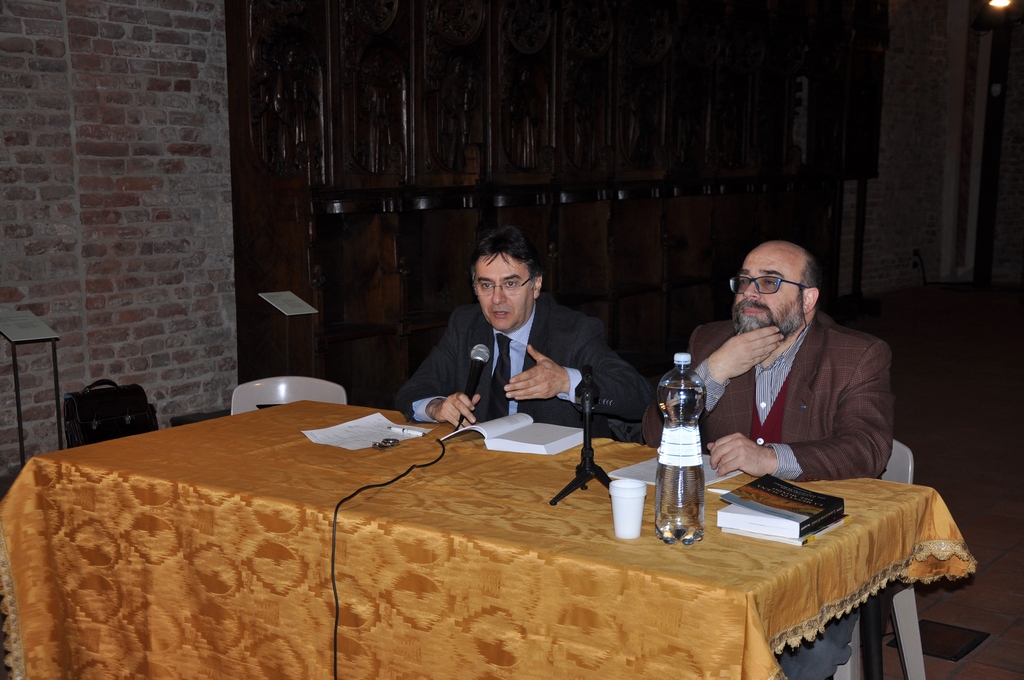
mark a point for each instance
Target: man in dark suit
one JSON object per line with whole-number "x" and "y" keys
{"x": 547, "y": 347}
{"x": 789, "y": 392}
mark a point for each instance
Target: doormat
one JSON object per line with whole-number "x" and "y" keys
{"x": 944, "y": 641}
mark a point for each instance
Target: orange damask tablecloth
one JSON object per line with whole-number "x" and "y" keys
{"x": 204, "y": 551}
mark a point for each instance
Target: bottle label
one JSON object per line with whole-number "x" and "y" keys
{"x": 680, "y": 447}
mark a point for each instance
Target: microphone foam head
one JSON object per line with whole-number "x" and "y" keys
{"x": 480, "y": 353}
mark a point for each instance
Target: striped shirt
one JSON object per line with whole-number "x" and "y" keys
{"x": 769, "y": 382}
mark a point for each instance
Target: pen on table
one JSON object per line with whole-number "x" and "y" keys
{"x": 405, "y": 430}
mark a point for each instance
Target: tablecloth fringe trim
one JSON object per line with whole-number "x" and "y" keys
{"x": 14, "y": 649}
{"x": 943, "y": 550}
{"x": 897, "y": 571}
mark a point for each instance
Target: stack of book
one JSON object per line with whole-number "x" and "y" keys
{"x": 776, "y": 510}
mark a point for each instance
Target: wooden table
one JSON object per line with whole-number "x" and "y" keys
{"x": 204, "y": 551}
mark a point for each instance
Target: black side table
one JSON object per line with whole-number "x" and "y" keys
{"x": 22, "y": 328}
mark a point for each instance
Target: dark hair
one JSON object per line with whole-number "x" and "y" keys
{"x": 812, "y": 271}
{"x": 509, "y": 241}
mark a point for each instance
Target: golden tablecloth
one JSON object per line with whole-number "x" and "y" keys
{"x": 204, "y": 551}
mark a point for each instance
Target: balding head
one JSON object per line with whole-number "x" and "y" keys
{"x": 789, "y": 308}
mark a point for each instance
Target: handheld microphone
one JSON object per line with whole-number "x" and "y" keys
{"x": 478, "y": 358}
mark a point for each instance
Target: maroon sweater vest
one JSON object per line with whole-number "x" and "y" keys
{"x": 770, "y": 432}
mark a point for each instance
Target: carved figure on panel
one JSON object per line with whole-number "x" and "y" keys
{"x": 689, "y": 108}
{"x": 730, "y": 121}
{"x": 379, "y": 135}
{"x": 642, "y": 123}
{"x": 585, "y": 92}
{"x": 458, "y": 106}
{"x": 377, "y": 110}
{"x": 286, "y": 89}
{"x": 523, "y": 138}
{"x": 646, "y": 40}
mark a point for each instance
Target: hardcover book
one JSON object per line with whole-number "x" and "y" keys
{"x": 519, "y": 434}
{"x": 803, "y": 540}
{"x": 781, "y": 508}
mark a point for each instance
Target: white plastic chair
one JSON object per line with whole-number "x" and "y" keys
{"x": 904, "y": 606}
{"x": 285, "y": 389}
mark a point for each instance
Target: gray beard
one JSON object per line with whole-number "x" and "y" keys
{"x": 792, "y": 321}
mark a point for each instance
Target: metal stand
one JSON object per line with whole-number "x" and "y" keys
{"x": 587, "y": 469}
{"x": 17, "y": 396}
{"x": 289, "y": 304}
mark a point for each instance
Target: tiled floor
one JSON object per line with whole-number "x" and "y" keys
{"x": 958, "y": 377}
{"x": 956, "y": 371}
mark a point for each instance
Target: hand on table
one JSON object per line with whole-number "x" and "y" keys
{"x": 736, "y": 452}
{"x": 543, "y": 381}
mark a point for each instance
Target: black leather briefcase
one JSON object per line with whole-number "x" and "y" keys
{"x": 105, "y": 410}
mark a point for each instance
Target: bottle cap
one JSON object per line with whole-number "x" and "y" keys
{"x": 682, "y": 359}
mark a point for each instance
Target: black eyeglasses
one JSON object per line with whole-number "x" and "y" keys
{"x": 509, "y": 287}
{"x": 765, "y": 285}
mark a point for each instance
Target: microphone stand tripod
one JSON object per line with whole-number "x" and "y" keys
{"x": 587, "y": 470}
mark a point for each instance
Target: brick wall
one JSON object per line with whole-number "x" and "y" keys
{"x": 115, "y": 204}
{"x": 905, "y": 201}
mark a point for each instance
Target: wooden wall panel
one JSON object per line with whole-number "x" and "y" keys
{"x": 450, "y": 128}
{"x": 644, "y": 146}
{"x": 446, "y": 242}
{"x": 584, "y": 262}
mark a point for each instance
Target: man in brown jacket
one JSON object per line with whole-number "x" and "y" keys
{"x": 789, "y": 392}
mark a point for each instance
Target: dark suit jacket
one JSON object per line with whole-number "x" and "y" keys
{"x": 839, "y": 405}
{"x": 567, "y": 337}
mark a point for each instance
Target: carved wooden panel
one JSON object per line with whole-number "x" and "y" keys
{"x": 377, "y": 84}
{"x": 644, "y": 145}
{"x": 588, "y": 31}
{"x": 644, "y": 44}
{"x": 287, "y": 88}
{"x": 697, "y": 47}
{"x": 453, "y": 115}
{"x": 522, "y": 124}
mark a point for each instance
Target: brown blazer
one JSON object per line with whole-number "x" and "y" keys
{"x": 839, "y": 403}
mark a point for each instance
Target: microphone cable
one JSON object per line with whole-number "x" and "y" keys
{"x": 334, "y": 541}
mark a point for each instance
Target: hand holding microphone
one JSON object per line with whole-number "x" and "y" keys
{"x": 478, "y": 358}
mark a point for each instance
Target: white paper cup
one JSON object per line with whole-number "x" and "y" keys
{"x": 627, "y": 506}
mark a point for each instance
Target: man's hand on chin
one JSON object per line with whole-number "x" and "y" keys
{"x": 741, "y": 352}
{"x": 736, "y": 452}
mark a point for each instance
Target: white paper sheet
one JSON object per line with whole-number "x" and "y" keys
{"x": 647, "y": 471}
{"x": 362, "y": 432}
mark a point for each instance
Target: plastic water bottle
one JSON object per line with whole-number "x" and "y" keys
{"x": 679, "y": 491}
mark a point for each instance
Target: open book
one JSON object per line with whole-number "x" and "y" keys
{"x": 519, "y": 434}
